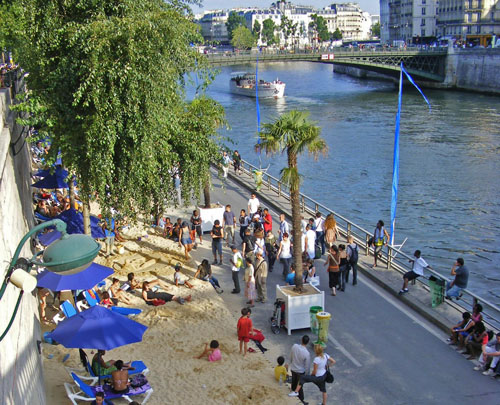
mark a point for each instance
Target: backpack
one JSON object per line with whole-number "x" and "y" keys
{"x": 353, "y": 258}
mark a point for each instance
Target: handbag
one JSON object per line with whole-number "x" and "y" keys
{"x": 328, "y": 375}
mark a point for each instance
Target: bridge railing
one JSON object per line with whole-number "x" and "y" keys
{"x": 392, "y": 257}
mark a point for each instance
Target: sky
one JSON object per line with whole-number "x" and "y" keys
{"x": 372, "y": 6}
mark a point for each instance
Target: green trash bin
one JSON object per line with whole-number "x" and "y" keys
{"x": 314, "y": 321}
{"x": 437, "y": 287}
{"x": 324, "y": 324}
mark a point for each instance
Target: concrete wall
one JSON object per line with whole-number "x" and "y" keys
{"x": 21, "y": 377}
{"x": 473, "y": 69}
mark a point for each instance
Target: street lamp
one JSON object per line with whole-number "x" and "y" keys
{"x": 68, "y": 255}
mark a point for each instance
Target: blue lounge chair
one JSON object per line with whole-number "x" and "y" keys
{"x": 121, "y": 310}
{"x": 68, "y": 309}
{"x": 84, "y": 392}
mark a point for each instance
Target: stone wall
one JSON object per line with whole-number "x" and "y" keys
{"x": 473, "y": 69}
{"x": 21, "y": 376}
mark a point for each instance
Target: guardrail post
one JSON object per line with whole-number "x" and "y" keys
{"x": 348, "y": 229}
{"x": 279, "y": 189}
{"x": 303, "y": 203}
{"x": 268, "y": 182}
{"x": 316, "y": 208}
{"x": 389, "y": 256}
{"x": 367, "y": 247}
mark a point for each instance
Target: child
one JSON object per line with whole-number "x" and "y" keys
{"x": 106, "y": 300}
{"x": 178, "y": 277}
{"x": 167, "y": 228}
{"x": 213, "y": 352}
{"x": 245, "y": 329}
{"x": 281, "y": 371}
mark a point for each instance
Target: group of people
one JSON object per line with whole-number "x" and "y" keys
{"x": 473, "y": 340}
{"x": 183, "y": 232}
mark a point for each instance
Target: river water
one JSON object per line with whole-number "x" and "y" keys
{"x": 449, "y": 189}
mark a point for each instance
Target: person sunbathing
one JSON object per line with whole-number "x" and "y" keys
{"x": 150, "y": 296}
{"x": 117, "y": 292}
{"x": 119, "y": 378}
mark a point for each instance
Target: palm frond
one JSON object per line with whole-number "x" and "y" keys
{"x": 291, "y": 177}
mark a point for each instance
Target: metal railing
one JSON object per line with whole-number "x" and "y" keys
{"x": 393, "y": 257}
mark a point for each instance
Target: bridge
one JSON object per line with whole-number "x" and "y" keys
{"x": 427, "y": 65}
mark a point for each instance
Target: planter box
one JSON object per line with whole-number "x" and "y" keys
{"x": 297, "y": 306}
{"x": 208, "y": 217}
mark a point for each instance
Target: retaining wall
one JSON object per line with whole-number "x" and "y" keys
{"x": 21, "y": 375}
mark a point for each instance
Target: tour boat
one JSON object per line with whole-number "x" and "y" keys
{"x": 243, "y": 83}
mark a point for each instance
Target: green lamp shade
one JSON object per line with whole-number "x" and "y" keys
{"x": 70, "y": 254}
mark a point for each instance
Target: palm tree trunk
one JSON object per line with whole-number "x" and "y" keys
{"x": 206, "y": 193}
{"x": 296, "y": 225}
{"x": 86, "y": 218}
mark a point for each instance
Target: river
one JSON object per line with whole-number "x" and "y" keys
{"x": 449, "y": 191}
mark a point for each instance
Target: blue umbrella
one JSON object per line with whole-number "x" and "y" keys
{"x": 74, "y": 222}
{"x": 51, "y": 181}
{"x": 59, "y": 172}
{"x": 84, "y": 280}
{"x": 97, "y": 328}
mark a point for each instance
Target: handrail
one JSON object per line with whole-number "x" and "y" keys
{"x": 394, "y": 258}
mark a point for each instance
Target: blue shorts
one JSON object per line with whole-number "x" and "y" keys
{"x": 217, "y": 246}
{"x": 186, "y": 241}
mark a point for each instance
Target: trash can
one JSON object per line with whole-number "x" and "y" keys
{"x": 437, "y": 287}
{"x": 324, "y": 323}
{"x": 314, "y": 321}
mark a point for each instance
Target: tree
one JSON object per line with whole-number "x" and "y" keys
{"x": 268, "y": 28}
{"x": 376, "y": 30}
{"x": 11, "y": 38}
{"x": 293, "y": 133}
{"x": 256, "y": 29}
{"x": 243, "y": 38}
{"x": 318, "y": 24}
{"x": 234, "y": 20}
{"x": 110, "y": 75}
{"x": 337, "y": 34}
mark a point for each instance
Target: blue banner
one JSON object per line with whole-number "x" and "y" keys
{"x": 395, "y": 164}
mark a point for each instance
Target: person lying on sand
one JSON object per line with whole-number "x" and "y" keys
{"x": 149, "y": 295}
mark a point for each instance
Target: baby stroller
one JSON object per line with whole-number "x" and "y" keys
{"x": 278, "y": 318}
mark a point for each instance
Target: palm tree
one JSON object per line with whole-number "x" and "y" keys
{"x": 293, "y": 133}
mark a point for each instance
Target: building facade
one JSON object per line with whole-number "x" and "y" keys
{"x": 472, "y": 21}
{"x": 408, "y": 22}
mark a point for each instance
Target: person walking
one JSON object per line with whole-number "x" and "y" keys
{"x": 271, "y": 249}
{"x": 284, "y": 228}
{"x": 318, "y": 376}
{"x": 237, "y": 162}
{"x": 332, "y": 262}
{"x": 342, "y": 266}
{"x": 249, "y": 281}
{"x": 310, "y": 242}
{"x": 300, "y": 364}
{"x": 461, "y": 273}
{"x": 217, "y": 234}
{"x": 253, "y": 205}
{"x": 319, "y": 224}
{"x": 229, "y": 224}
{"x": 226, "y": 161}
{"x": 248, "y": 247}
{"x": 285, "y": 254}
{"x": 196, "y": 227}
{"x": 267, "y": 221}
{"x": 244, "y": 222}
{"x": 237, "y": 264}
{"x": 331, "y": 230}
{"x": 261, "y": 277}
{"x": 379, "y": 240}
{"x": 352, "y": 257}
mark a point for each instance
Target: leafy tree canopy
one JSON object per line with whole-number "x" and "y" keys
{"x": 256, "y": 29}
{"x": 376, "y": 30}
{"x": 234, "y": 20}
{"x": 318, "y": 23}
{"x": 268, "y": 28}
{"x": 337, "y": 34}
{"x": 110, "y": 75}
{"x": 243, "y": 38}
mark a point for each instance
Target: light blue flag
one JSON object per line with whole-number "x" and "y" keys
{"x": 395, "y": 167}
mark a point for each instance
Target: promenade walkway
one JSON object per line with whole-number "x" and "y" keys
{"x": 386, "y": 353}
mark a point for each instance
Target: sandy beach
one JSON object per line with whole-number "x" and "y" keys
{"x": 176, "y": 333}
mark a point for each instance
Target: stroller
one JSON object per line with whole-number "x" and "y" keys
{"x": 278, "y": 318}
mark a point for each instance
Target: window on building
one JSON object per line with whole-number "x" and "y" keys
{"x": 423, "y": 1}
{"x": 423, "y": 10}
{"x": 422, "y": 32}
{"x": 478, "y": 29}
{"x": 422, "y": 23}
{"x": 469, "y": 29}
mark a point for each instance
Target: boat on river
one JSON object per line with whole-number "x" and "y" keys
{"x": 244, "y": 84}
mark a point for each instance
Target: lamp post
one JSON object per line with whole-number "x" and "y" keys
{"x": 68, "y": 255}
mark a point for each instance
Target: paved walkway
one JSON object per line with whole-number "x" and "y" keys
{"x": 386, "y": 353}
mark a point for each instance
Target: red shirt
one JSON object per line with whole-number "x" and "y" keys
{"x": 244, "y": 327}
{"x": 268, "y": 226}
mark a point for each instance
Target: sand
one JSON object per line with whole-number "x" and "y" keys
{"x": 176, "y": 333}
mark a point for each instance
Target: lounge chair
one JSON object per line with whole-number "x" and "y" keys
{"x": 139, "y": 367}
{"x": 68, "y": 309}
{"x": 84, "y": 392}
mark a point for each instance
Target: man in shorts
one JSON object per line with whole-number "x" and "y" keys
{"x": 419, "y": 265}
